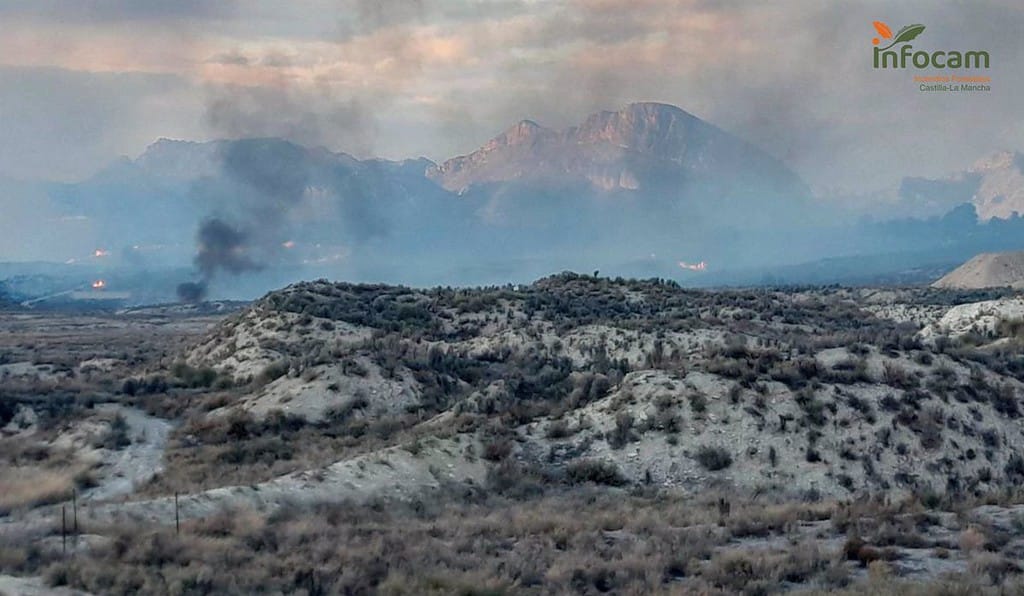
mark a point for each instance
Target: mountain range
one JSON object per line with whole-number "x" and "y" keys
{"x": 629, "y": 192}
{"x": 645, "y": 146}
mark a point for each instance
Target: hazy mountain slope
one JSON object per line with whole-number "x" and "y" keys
{"x": 1000, "y": 191}
{"x": 622, "y": 186}
{"x": 994, "y": 185}
{"x": 649, "y": 171}
{"x": 987, "y": 270}
{"x": 629, "y": 192}
{"x": 644, "y": 146}
{"x": 328, "y": 204}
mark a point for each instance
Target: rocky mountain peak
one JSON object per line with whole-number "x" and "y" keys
{"x": 651, "y": 128}
{"x": 639, "y": 147}
{"x": 523, "y": 131}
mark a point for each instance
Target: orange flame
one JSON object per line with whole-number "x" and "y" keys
{"x": 99, "y": 284}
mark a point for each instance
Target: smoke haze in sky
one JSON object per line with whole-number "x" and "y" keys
{"x": 81, "y": 83}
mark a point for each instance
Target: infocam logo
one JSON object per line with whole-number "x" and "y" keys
{"x": 904, "y": 55}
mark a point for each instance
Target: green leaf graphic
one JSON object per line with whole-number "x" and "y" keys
{"x": 908, "y": 33}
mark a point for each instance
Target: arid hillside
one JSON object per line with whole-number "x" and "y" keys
{"x": 760, "y": 390}
{"x": 987, "y": 270}
{"x": 579, "y": 434}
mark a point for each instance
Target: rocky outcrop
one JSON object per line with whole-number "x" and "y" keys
{"x": 643, "y": 146}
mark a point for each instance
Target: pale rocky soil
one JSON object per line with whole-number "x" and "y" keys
{"x": 976, "y": 317}
{"x": 403, "y": 473}
{"x": 116, "y": 473}
{"x": 938, "y": 439}
{"x": 32, "y": 586}
{"x": 122, "y": 471}
{"x": 851, "y": 447}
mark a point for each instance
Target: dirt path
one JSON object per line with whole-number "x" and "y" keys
{"x": 121, "y": 471}
{"x": 392, "y": 473}
{"x": 127, "y": 468}
{"x": 32, "y": 586}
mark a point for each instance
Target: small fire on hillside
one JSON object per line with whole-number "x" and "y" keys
{"x": 99, "y": 284}
{"x": 100, "y": 253}
{"x": 701, "y": 266}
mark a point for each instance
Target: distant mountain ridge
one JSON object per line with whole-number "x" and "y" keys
{"x": 630, "y": 192}
{"x": 644, "y": 146}
{"x": 648, "y": 179}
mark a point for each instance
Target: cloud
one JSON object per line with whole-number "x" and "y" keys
{"x": 324, "y": 93}
{"x": 793, "y": 77}
{"x": 115, "y": 11}
{"x": 229, "y": 58}
{"x": 311, "y": 118}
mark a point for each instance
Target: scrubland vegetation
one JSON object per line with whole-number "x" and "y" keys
{"x": 478, "y": 542}
{"x": 637, "y": 438}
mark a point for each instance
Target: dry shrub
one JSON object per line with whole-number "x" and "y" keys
{"x": 713, "y": 458}
{"x": 762, "y": 571}
{"x": 32, "y": 487}
{"x": 879, "y": 571}
{"x": 972, "y": 539}
{"x": 14, "y": 557}
{"x": 747, "y": 520}
{"x": 498, "y": 449}
{"x": 995, "y": 566}
{"x": 596, "y": 471}
{"x": 856, "y": 549}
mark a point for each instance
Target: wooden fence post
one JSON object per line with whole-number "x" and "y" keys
{"x": 74, "y": 514}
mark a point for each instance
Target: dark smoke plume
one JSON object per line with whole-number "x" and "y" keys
{"x": 222, "y": 247}
{"x": 259, "y": 183}
{"x": 260, "y": 193}
{"x": 308, "y": 117}
{"x": 191, "y": 291}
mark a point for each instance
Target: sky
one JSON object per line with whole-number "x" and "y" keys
{"x": 85, "y": 81}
